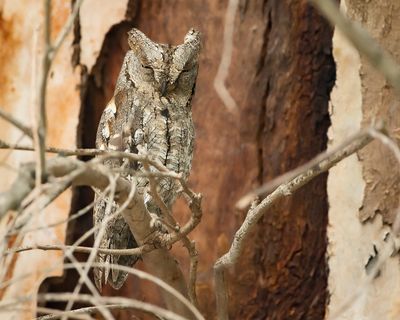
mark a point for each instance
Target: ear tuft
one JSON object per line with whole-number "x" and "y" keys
{"x": 146, "y": 50}
{"x": 193, "y": 38}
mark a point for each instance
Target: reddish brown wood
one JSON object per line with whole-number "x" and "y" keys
{"x": 281, "y": 75}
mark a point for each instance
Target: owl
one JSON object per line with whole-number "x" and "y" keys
{"x": 149, "y": 113}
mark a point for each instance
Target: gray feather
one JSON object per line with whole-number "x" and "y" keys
{"x": 150, "y": 111}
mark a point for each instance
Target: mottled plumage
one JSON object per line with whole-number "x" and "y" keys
{"x": 150, "y": 111}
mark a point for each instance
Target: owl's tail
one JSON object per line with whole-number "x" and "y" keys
{"x": 115, "y": 277}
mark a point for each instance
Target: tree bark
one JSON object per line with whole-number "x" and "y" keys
{"x": 363, "y": 190}
{"x": 280, "y": 77}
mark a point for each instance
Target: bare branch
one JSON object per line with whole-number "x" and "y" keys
{"x": 16, "y": 123}
{"x": 119, "y": 252}
{"x": 362, "y": 41}
{"x": 175, "y": 227}
{"x": 194, "y": 260}
{"x": 226, "y": 57}
{"x": 93, "y": 253}
{"x": 48, "y": 56}
{"x": 86, "y": 298}
{"x": 74, "y": 314}
{"x": 67, "y": 28}
{"x": 84, "y": 278}
{"x": 138, "y": 273}
{"x": 55, "y": 314}
{"x": 64, "y": 152}
{"x": 40, "y": 111}
{"x": 76, "y": 215}
{"x": 390, "y": 243}
{"x": 334, "y": 155}
{"x": 257, "y": 211}
{"x": 160, "y": 203}
{"x": 19, "y": 189}
{"x": 95, "y": 174}
{"x": 80, "y": 313}
{"x": 195, "y": 206}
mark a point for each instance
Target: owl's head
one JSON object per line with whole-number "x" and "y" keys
{"x": 164, "y": 67}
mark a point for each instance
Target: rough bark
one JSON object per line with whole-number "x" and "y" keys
{"x": 379, "y": 101}
{"x": 286, "y": 259}
{"x": 363, "y": 191}
{"x": 280, "y": 77}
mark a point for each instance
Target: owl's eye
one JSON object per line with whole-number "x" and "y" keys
{"x": 147, "y": 67}
{"x": 148, "y": 71}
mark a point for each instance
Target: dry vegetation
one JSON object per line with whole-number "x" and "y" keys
{"x": 39, "y": 183}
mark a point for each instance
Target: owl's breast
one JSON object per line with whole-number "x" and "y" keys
{"x": 168, "y": 136}
{"x": 180, "y": 140}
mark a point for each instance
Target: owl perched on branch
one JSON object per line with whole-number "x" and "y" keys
{"x": 150, "y": 112}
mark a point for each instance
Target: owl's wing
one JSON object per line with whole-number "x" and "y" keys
{"x": 112, "y": 135}
{"x": 117, "y": 236}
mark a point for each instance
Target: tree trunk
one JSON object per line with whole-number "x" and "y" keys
{"x": 280, "y": 77}
{"x": 363, "y": 190}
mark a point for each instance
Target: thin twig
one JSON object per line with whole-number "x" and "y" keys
{"x": 7, "y": 154}
{"x": 95, "y": 174}
{"x": 76, "y": 215}
{"x": 189, "y": 245}
{"x": 160, "y": 203}
{"x": 80, "y": 313}
{"x": 98, "y": 239}
{"x": 54, "y": 312}
{"x": 388, "y": 249}
{"x": 84, "y": 278}
{"x": 74, "y": 314}
{"x": 52, "y": 247}
{"x": 226, "y": 57}
{"x": 41, "y": 118}
{"x": 86, "y": 298}
{"x": 139, "y": 251}
{"x": 66, "y": 29}
{"x": 194, "y": 261}
{"x": 245, "y": 201}
{"x": 381, "y": 259}
{"x": 362, "y": 41}
{"x": 63, "y": 152}
{"x": 133, "y": 303}
{"x": 16, "y": 123}
{"x": 47, "y": 59}
{"x": 138, "y": 273}
{"x": 256, "y": 212}
{"x": 146, "y": 276}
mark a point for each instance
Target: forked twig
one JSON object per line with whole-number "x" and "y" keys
{"x": 257, "y": 211}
